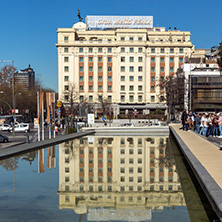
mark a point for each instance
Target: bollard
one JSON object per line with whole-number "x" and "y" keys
{"x": 27, "y": 139}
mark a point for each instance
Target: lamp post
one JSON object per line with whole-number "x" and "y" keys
{"x": 190, "y": 81}
{"x": 18, "y": 94}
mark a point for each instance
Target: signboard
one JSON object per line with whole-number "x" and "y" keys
{"x": 119, "y": 21}
{"x": 91, "y": 119}
{"x": 36, "y": 122}
{"x": 59, "y": 104}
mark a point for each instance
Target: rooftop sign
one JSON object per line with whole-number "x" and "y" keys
{"x": 119, "y": 21}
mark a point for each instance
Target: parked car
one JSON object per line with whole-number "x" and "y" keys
{"x": 3, "y": 139}
{"x": 21, "y": 127}
{"x": 5, "y": 127}
{"x": 127, "y": 125}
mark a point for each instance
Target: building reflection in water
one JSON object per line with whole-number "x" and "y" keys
{"x": 118, "y": 178}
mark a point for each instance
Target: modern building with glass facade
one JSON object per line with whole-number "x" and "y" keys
{"x": 119, "y": 58}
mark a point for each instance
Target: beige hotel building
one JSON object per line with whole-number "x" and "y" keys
{"x": 120, "y": 58}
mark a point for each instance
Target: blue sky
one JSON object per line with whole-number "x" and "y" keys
{"x": 28, "y": 27}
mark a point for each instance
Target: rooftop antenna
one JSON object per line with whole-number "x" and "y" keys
{"x": 78, "y": 15}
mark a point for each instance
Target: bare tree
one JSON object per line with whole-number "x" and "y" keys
{"x": 105, "y": 104}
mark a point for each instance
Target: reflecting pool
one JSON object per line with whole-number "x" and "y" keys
{"x": 102, "y": 179}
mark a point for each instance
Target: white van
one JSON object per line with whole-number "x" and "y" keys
{"x": 21, "y": 127}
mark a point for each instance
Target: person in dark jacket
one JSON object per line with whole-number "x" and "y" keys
{"x": 184, "y": 120}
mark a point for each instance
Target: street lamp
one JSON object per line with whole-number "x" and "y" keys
{"x": 190, "y": 80}
{"x": 18, "y": 94}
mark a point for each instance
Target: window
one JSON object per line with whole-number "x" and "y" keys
{"x": 131, "y": 50}
{"x": 109, "y": 98}
{"x": 131, "y": 88}
{"x": 100, "y": 50}
{"x": 171, "y": 50}
{"x": 140, "y": 88}
{"x": 131, "y": 161}
{"x": 66, "y": 68}
{"x": 140, "y": 49}
{"x": 66, "y": 59}
{"x": 131, "y": 69}
{"x": 122, "y": 160}
{"x": 100, "y": 78}
{"x": 131, "y": 151}
{"x": 181, "y": 50}
{"x": 140, "y": 68}
{"x": 140, "y": 59}
{"x": 131, "y": 59}
{"x": 90, "y": 78}
{"x": 67, "y": 169}
{"x": 81, "y": 88}
{"x": 152, "y": 69}
{"x": 131, "y": 170}
{"x": 139, "y": 170}
{"x": 122, "y": 38}
{"x": 81, "y": 98}
{"x": 122, "y": 170}
{"x": 152, "y": 98}
{"x": 139, "y": 179}
{"x": 109, "y": 88}
{"x": 90, "y": 59}
{"x": 140, "y": 78}
{"x": 109, "y": 50}
{"x": 81, "y": 78}
{"x": 162, "y": 50}
{"x": 66, "y": 38}
{"x": 109, "y": 78}
{"x": 122, "y": 88}
{"x": 109, "y": 59}
{"x": 81, "y": 59}
{"x": 122, "y": 78}
{"x": 181, "y": 60}
{"x": 152, "y": 59}
{"x": 66, "y": 49}
{"x": 131, "y": 39}
{"x": 162, "y": 59}
{"x": 152, "y": 88}
{"x": 90, "y": 50}
{"x": 130, "y": 179}
{"x": 122, "y": 59}
{"x": 100, "y": 69}
{"x": 122, "y": 98}
{"x": 80, "y": 50}
{"x": 122, "y": 68}
{"x": 66, "y": 87}
{"x": 66, "y": 78}
{"x": 162, "y": 69}
{"x": 152, "y": 50}
{"x": 109, "y": 68}
{"x": 131, "y": 78}
{"x": 140, "y": 98}
{"x": 90, "y": 68}
{"x": 100, "y": 88}
{"x": 100, "y": 59}
{"x": 139, "y": 160}
{"x": 140, "y": 38}
{"x": 131, "y": 98}
{"x": 122, "y": 49}
{"x": 66, "y": 98}
{"x": 171, "y": 59}
{"x": 90, "y": 98}
{"x": 152, "y": 78}
{"x": 81, "y": 68}
{"x": 171, "y": 69}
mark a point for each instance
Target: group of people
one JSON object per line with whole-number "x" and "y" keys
{"x": 204, "y": 124}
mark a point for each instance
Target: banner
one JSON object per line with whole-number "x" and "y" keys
{"x": 41, "y": 97}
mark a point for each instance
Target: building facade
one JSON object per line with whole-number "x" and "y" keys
{"x": 121, "y": 63}
{"x": 25, "y": 77}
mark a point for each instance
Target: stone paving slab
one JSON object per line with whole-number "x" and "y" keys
{"x": 205, "y": 159}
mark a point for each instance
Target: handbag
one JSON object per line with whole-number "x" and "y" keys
{"x": 186, "y": 122}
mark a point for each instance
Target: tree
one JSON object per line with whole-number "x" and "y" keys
{"x": 6, "y": 75}
{"x": 105, "y": 104}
